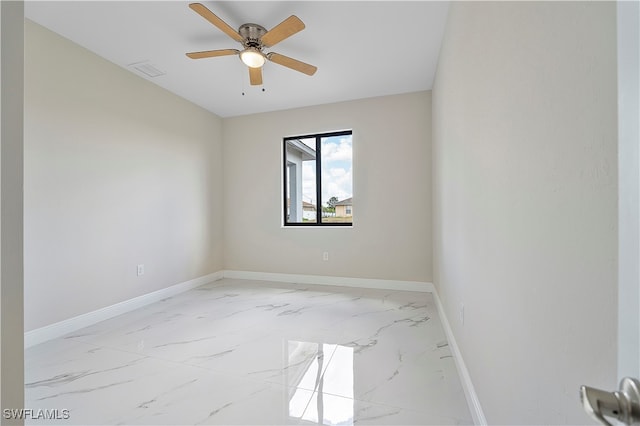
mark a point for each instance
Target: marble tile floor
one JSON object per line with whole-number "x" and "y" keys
{"x": 254, "y": 352}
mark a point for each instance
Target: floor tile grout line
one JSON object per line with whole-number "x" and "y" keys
{"x": 315, "y": 390}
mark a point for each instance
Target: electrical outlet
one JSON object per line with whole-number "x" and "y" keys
{"x": 325, "y": 256}
{"x": 140, "y": 269}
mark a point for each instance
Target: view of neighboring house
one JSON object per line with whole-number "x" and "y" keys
{"x": 344, "y": 208}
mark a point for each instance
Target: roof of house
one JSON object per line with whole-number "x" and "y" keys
{"x": 305, "y": 205}
{"x": 345, "y": 202}
{"x": 306, "y": 152}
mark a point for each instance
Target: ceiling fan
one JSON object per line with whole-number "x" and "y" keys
{"x": 254, "y": 38}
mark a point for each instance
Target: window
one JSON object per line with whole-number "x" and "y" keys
{"x": 318, "y": 179}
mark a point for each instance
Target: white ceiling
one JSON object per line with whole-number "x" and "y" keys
{"x": 362, "y": 48}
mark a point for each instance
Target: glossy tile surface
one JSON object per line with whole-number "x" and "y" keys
{"x": 254, "y": 352}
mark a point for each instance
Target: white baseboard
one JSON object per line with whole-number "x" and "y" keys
{"x": 337, "y": 281}
{"x": 40, "y": 335}
{"x": 465, "y": 377}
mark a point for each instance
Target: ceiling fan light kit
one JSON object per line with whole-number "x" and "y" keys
{"x": 254, "y": 38}
{"x": 252, "y": 57}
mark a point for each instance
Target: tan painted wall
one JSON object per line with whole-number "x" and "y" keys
{"x": 525, "y": 202}
{"x": 391, "y": 158}
{"x": 11, "y": 208}
{"x": 117, "y": 173}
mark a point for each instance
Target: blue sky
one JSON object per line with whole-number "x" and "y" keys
{"x": 337, "y": 171}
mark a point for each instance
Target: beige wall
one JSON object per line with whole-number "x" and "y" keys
{"x": 11, "y": 207}
{"x": 117, "y": 173}
{"x": 391, "y": 161}
{"x": 525, "y": 217}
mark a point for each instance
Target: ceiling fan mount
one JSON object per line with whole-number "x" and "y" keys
{"x": 252, "y": 33}
{"x": 254, "y": 38}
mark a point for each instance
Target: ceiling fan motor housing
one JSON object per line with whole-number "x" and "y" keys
{"x": 252, "y": 33}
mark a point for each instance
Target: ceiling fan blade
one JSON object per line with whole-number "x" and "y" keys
{"x": 283, "y": 30}
{"x": 212, "y": 53}
{"x": 201, "y": 10}
{"x": 294, "y": 64}
{"x": 255, "y": 76}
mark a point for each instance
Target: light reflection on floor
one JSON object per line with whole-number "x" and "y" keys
{"x": 325, "y": 407}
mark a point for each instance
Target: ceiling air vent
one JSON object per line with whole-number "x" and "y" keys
{"x": 146, "y": 68}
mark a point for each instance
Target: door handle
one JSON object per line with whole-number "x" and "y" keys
{"x": 623, "y": 404}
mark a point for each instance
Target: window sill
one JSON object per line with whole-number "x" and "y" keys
{"x": 316, "y": 227}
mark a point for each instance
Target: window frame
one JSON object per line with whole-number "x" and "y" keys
{"x": 318, "y": 138}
